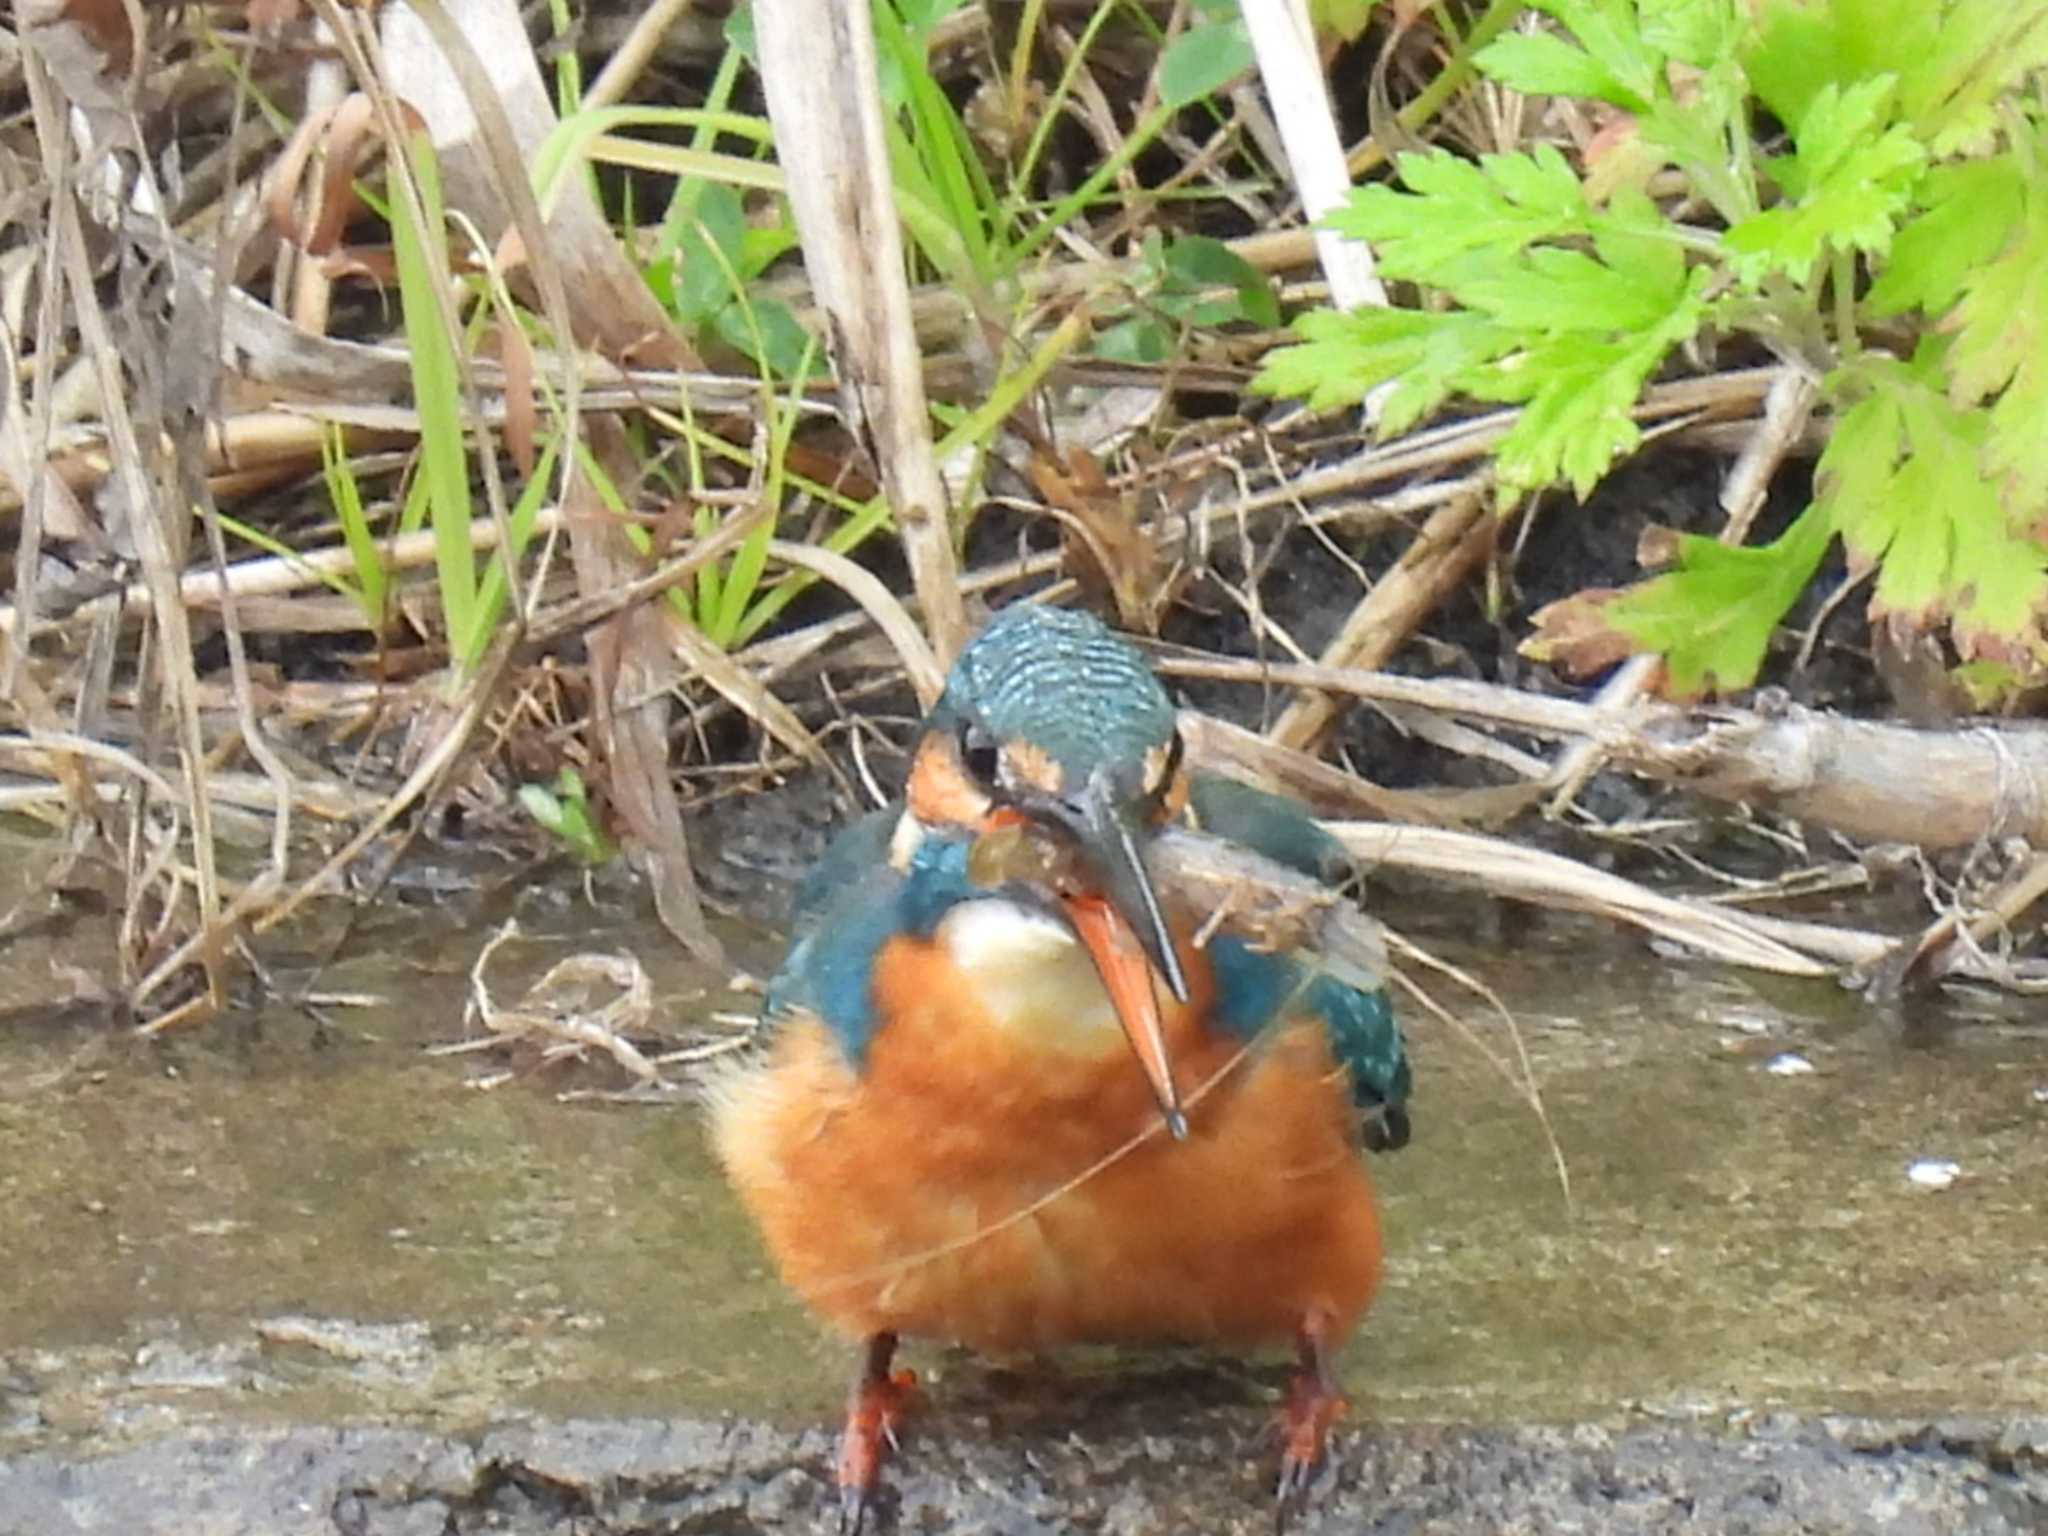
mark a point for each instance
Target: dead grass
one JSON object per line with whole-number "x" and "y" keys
{"x": 185, "y": 327}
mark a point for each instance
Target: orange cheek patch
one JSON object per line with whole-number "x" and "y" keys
{"x": 939, "y": 793}
{"x": 1033, "y": 765}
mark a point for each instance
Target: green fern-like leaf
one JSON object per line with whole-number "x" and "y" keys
{"x": 1712, "y": 617}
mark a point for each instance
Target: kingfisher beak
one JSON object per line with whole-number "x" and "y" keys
{"x": 1119, "y": 921}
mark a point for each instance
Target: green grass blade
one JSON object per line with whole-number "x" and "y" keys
{"x": 491, "y": 595}
{"x": 941, "y": 146}
{"x": 976, "y": 427}
{"x": 1135, "y": 143}
{"x": 347, "y": 498}
{"x": 750, "y": 560}
{"x": 578, "y": 139}
{"x": 272, "y": 545}
{"x": 443, "y": 477}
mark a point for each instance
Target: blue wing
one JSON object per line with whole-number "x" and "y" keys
{"x": 844, "y": 911}
{"x": 849, "y": 905}
{"x": 1253, "y": 985}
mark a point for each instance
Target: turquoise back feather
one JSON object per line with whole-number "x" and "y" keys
{"x": 1253, "y": 985}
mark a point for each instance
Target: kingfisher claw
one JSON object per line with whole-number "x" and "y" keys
{"x": 1314, "y": 1404}
{"x": 1312, "y": 1408}
{"x": 880, "y": 1398}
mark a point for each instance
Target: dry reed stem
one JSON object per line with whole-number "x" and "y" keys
{"x": 1548, "y": 879}
{"x": 555, "y": 1009}
{"x": 1290, "y": 61}
{"x": 882, "y": 607}
{"x": 141, "y": 481}
{"x": 631, "y": 661}
{"x": 1454, "y": 540}
{"x": 819, "y": 71}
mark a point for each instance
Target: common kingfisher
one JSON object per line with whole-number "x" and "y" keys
{"x": 948, "y": 1138}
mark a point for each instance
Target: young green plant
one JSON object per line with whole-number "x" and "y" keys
{"x": 1889, "y": 235}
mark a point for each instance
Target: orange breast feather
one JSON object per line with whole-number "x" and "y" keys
{"x": 968, "y": 1187}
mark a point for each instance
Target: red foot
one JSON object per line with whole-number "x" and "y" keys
{"x": 1305, "y": 1424}
{"x": 879, "y": 1400}
{"x": 1313, "y": 1405}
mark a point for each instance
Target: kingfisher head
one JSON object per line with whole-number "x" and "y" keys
{"x": 1054, "y": 750}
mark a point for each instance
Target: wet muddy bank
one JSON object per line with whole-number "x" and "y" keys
{"x": 279, "y": 1275}
{"x": 1102, "y": 1471}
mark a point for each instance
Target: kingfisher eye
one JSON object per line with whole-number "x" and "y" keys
{"x": 978, "y": 756}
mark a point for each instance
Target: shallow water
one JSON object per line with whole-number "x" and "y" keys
{"x": 264, "y": 1217}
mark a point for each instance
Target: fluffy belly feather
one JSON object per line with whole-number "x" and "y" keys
{"x": 972, "y": 1184}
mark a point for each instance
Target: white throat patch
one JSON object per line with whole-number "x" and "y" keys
{"x": 1033, "y": 976}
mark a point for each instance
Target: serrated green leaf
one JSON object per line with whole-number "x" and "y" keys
{"x": 1578, "y": 385}
{"x": 1575, "y": 425}
{"x": 1953, "y": 58}
{"x": 1542, "y": 182}
{"x": 1344, "y": 356}
{"x": 1201, "y": 61}
{"x": 1913, "y": 574}
{"x": 1800, "y": 49}
{"x": 1838, "y": 121}
{"x": 1902, "y": 478}
{"x": 1634, "y": 236}
{"x": 2016, "y": 450}
{"x": 1453, "y": 207}
{"x": 1568, "y": 333}
{"x": 1553, "y": 288}
{"x": 1970, "y": 210}
{"x": 1609, "y": 32}
{"x": 1711, "y": 618}
{"x": 1999, "y": 322}
{"x": 1848, "y": 186}
{"x": 2001, "y": 351}
{"x": 1544, "y": 64}
{"x": 1695, "y": 32}
{"x": 1857, "y": 465}
{"x": 2004, "y": 589}
{"x": 1706, "y": 135}
{"x": 1577, "y": 393}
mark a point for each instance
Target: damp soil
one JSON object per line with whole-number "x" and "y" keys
{"x": 290, "y": 1274}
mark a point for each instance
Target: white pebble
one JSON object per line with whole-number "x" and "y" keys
{"x": 1934, "y": 1172}
{"x": 1788, "y": 1064}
